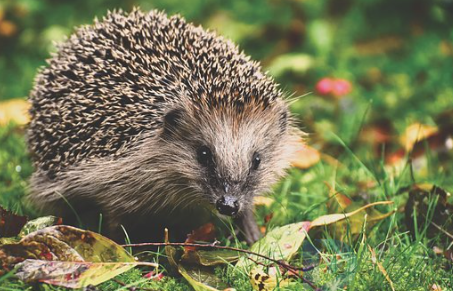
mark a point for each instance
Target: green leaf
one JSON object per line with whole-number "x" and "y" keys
{"x": 38, "y": 223}
{"x": 201, "y": 278}
{"x": 210, "y": 258}
{"x": 321, "y": 36}
{"x": 297, "y": 63}
{"x": 281, "y": 243}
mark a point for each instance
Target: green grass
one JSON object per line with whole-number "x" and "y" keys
{"x": 340, "y": 260}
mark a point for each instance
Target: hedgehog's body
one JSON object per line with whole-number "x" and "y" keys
{"x": 141, "y": 116}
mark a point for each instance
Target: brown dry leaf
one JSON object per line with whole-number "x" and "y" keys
{"x": 306, "y": 157}
{"x": 436, "y": 287}
{"x": 7, "y": 28}
{"x": 420, "y": 205}
{"x": 10, "y": 223}
{"x": 446, "y": 48}
{"x": 203, "y": 233}
{"x": 416, "y": 132}
{"x": 381, "y": 268}
{"x": 15, "y": 110}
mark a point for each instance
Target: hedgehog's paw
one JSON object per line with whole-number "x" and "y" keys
{"x": 248, "y": 226}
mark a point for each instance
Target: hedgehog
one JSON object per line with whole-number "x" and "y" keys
{"x": 156, "y": 123}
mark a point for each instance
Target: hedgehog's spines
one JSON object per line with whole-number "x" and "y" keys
{"x": 129, "y": 67}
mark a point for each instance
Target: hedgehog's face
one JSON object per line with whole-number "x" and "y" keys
{"x": 229, "y": 156}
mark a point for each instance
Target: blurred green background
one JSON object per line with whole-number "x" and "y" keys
{"x": 397, "y": 54}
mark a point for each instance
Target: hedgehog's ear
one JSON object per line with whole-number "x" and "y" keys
{"x": 171, "y": 120}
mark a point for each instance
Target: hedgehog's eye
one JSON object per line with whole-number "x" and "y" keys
{"x": 256, "y": 160}
{"x": 204, "y": 155}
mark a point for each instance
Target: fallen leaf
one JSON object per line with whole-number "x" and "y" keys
{"x": 381, "y": 268}
{"x": 10, "y": 223}
{"x": 297, "y": 63}
{"x": 39, "y": 223}
{"x": 341, "y": 200}
{"x": 262, "y": 201}
{"x": 281, "y": 243}
{"x": 263, "y": 281}
{"x": 332, "y": 218}
{"x": 72, "y": 274}
{"x": 355, "y": 223}
{"x": 380, "y": 45}
{"x": 205, "y": 233}
{"x": 202, "y": 279}
{"x": 15, "y": 110}
{"x": 416, "y": 132}
{"x": 306, "y": 157}
{"x": 210, "y": 258}
{"x": 67, "y": 256}
{"x": 7, "y": 28}
{"x": 436, "y": 287}
{"x": 429, "y": 201}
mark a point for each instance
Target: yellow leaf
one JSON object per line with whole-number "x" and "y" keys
{"x": 380, "y": 45}
{"x": 262, "y": 201}
{"x": 416, "y": 132}
{"x": 332, "y": 218}
{"x": 342, "y": 200}
{"x": 15, "y": 110}
{"x": 262, "y": 281}
{"x": 74, "y": 275}
{"x": 381, "y": 268}
{"x": 7, "y": 28}
{"x": 306, "y": 157}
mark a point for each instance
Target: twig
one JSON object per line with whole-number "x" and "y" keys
{"x": 442, "y": 230}
{"x": 215, "y": 246}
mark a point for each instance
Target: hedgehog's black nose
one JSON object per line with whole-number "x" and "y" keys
{"x": 227, "y": 205}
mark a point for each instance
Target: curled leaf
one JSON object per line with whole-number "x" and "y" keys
{"x": 332, "y": 218}
{"x": 66, "y": 256}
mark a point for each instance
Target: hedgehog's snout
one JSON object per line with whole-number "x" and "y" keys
{"x": 228, "y": 205}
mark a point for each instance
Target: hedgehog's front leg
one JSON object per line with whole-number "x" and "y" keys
{"x": 246, "y": 222}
